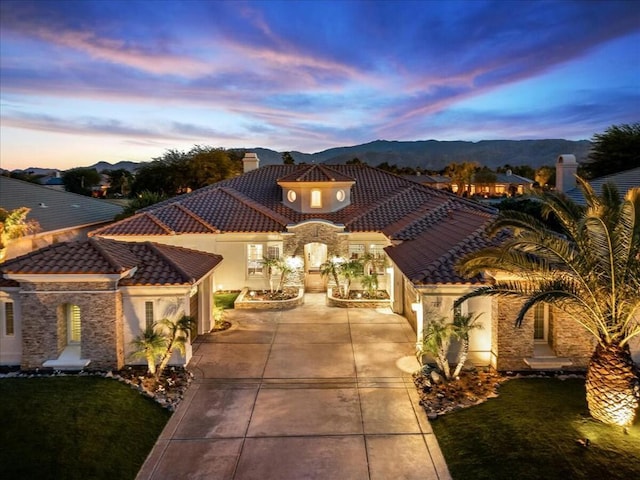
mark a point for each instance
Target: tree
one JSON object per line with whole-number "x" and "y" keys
{"x": 350, "y": 270}
{"x": 615, "y": 150}
{"x": 14, "y": 224}
{"x": 331, "y": 268}
{"x": 178, "y": 172}
{"x": 463, "y": 325}
{"x": 591, "y": 271}
{"x": 120, "y": 181}
{"x": 545, "y": 176}
{"x": 461, "y": 175}
{"x": 80, "y": 180}
{"x": 436, "y": 339}
{"x": 143, "y": 200}
{"x": 287, "y": 159}
{"x": 176, "y": 333}
{"x": 149, "y": 345}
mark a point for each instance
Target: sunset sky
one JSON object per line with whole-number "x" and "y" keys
{"x": 85, "y": 81}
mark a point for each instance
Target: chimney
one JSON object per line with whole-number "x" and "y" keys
{"x": 250, "y": 162}
{"x": 566, "y": 169}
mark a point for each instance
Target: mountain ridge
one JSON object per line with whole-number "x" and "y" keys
{"x": 427, "y": 154}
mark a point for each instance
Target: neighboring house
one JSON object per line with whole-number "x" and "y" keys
{"x": 622, "y": 180}
{"x": 505, "y": 184}
{"x": 78, "y": 304}
{"x": 307, "y": 214}
{"x": 62, "y": 216}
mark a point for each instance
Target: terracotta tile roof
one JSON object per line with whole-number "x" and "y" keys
{"x": 430, "y": 257}
{"x": 155, "y": 264}
{"x": 316, "y": 173}
{"x": 429, "y": 222}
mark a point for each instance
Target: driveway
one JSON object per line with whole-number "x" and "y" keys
{"x": 310, "y": 393}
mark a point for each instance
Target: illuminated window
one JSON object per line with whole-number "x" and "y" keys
{"x": 9, "y": 328}
{"x": 316, "y": 199}
{"x": 148, "y": 314}
{"x": 291, "y": 196}
{"x": 73, "y": 324}
{"x": 254, "y": 260}
{"x": 540, "y": 322}
{"x": 340, "y": 195}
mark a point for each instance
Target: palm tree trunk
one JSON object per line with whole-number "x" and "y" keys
{"x": 613, "y": 387}
{"x": 462, "y": 357}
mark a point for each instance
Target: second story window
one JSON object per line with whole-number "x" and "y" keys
{"x": 316, "y": 199}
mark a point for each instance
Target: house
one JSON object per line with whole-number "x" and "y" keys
{"x": 80, "y": 304}
{"x": 504, "y": 184}
{"x": 307, "y": 214}
{"x": 62, "y": 216}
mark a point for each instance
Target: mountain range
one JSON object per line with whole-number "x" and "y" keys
{"x": 427, "y": 154}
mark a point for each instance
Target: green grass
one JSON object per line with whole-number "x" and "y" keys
{"x": 225, "y": 300}
{"x": 529, "y": 433}
{"x": 75, "y": 428}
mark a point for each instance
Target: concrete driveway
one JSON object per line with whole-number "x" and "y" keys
{"x": 310, "y": 393}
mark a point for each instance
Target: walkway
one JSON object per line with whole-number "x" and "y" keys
{"x": 311, "y": 393}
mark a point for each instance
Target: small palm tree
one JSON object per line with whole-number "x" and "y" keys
{"x": 370, "y": 284}
{"x": 590, "y": 270}
{"x": 331, "y": 268}
{"x": 269, "y": 264}
{"x": 149, "y": 345}
{"x": 176, "y": 333}
{"x": 285, "y": 271}
{"x": 436, "y": 339}
{"x": 462, "y": 327}
{"x": 350, "y": 270}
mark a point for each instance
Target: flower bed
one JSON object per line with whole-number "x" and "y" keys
{"x": 266, "y": 300}
{"x": 358, "y": 299}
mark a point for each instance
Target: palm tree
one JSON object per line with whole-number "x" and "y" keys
{"x": 350, "y": 270}
{"x": 436, "y": 340}
{"x": 331, "y": 268}
{"x": 590, "y": 270}
{"x": 150, "y": 345}
{"x": 176, "y": 333}
{"x": 462, "y": 326}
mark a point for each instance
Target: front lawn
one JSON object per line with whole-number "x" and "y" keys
{"x": 531, "y": 432}
{"x": 225, "y": 299}
{"x": 75, "y": 428}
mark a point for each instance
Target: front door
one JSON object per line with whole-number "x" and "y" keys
{"x": 315, "y": 254}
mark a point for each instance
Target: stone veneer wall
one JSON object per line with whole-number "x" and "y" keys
{"x": 44, "y": 325}
{"x": 511, "y": 344}
{"x": 337, "y": 242}
{"x": 569, "y": 339}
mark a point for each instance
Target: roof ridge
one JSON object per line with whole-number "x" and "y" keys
{"x": 159, "y": 222}
{"x": 156, "y": 248}
{"x": 250, "y": 202}
{"x": 196, "y": 217}
{"x": 95, "y": 243}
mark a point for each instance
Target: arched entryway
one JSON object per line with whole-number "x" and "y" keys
{"x": 315, "y": 254}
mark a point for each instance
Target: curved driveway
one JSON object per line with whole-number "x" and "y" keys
{"x": 310, "y": 393}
